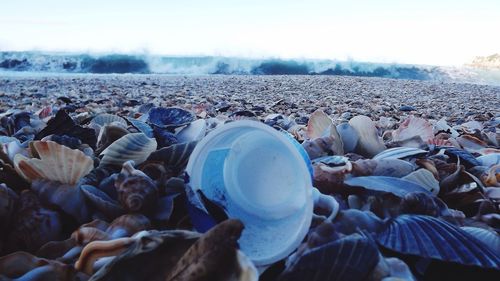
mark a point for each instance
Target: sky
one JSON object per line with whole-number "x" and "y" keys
{"x": 433, "y": 32}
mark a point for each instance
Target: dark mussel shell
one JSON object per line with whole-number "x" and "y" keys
{"x": 63, "y": 124}
{"x": 465, "y": 157}
{"x": 175, "y": 156}
{"x": 351, "y": 258}
{"x": 431, "y": 238}
{"x": 9, "y": 125}
{"x": 164, "y": 137}
{"x": 170, "y": 117}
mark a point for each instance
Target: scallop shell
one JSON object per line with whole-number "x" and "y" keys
{"x": 349, "y": 258}
{"x": 170, "y": 117}
{"x": 413, "y": 127}
{"x": 318, "y": 125}
{"x": 489, "y": 238}
{"x": 105, "y": 119}
{"x": 369, "y": 143}
{"x": 56, "y": 163}
{"x": 396, "y": 186}
{"x": 428, "y": 237}
{"x": 136, "y": 147}
{"x": 425, "y": 179}
{"x": 399, "y": 153}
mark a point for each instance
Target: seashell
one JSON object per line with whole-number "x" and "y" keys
{"x": 492, "y": 138}
{"x": 105, "y": 119}
{"x": 396, "y": 186}
{"x": 32, "y": 226}
{"x": 10, "y": 177}
{"x": 425, "y": 179}
{"x": 349, "y": 137}
{"x": 102, "y": 202}
{"x": 56, "y": 249}
{"x": 170, "y": 117}
{"x": 142, "y": 126}
{"x": 136, "y": 147}
{"x": 492, "y": 176}
{"x": 218, "y": 246}
{"x": 164, "y": 137}
{"x": 369, "y": 143}
{"x": 439, "y": 142}
{"x": 176, "y": 155}
{"x": 69, "y": 198}
{"x": 399, "y": 270}
{"x": 67, "y": 141}
{"x": 442, "y": 126}
{"x": 489, "y": 159}
{"x": 422, "y": 204}
{"x": 318, "y": 147}
{"x": 136, "y": 193}
{"x": 349, "y": 258}
{"x": 489, "y": 238}
{"x": 469, "y": 127}
{"x": 412, "y": 127}
{"x": 56, "y": 163}
{"x": 107, "y": 135}
{"x": 399, "y": 153}
{"x": 319, "y": 125}
{"x": 85, "y": 235}
{"x": 383, "y": 167}
{"x": 127, "y": 225}
{"x": 195, "y": 131}
{"x": 13, "y": 123}
{"x": 351, "y": 221}
{"x": 465, "y": 157}
{"x": 10, "y": 149}
{"x": 62, "y": 124}
{"x": 428, "y": 237}
{"x": 152, "y": 255}
{"x": 98, "y": 249}
{"x": 470, "y": 143}
{"x": 242, "y": 115}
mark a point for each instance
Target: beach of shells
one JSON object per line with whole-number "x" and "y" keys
{"x": 93, "y": 181}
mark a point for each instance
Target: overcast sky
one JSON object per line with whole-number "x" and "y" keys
{"x": 438, "y": 32}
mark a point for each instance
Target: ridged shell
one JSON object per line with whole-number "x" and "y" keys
{"x": 425, "y": 179}
{"x": 318, "y": 125}
{"x": 489, "y": 238}
{"x": 349, "y": 137}
{"x": 56, "y": 163}
{"x": 396, "y": 186}
{"x": 105, "y": 118}
{"x": 399, "y": 153}
{"x": 351, "y": 258}
{"x": 176, "y": 155}
{"x": 170, "y": 117}
{"x": 109, "y": 134}
{"x": 369, "y": 144}
{"x": 428, "y": 237}
{"x": 141, "y": 126}
{"x": 102, "y": 202}
{"x": 136, "y": 147}
{"x": 136, "y": 193}
{"x": 413, "y": 127}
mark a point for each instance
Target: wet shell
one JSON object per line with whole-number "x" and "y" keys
{"x": 428, "y": 237}
{"x": 141, "y": 126}
{"x": 176, "y": 155}
{"x": 136, "y": 147}
{"x": 470, "y": 143}
{"x": 425, "y": 179}
{"x": 102, "y": 202}
{"x": 489, "y": 159}
{"x": 413, "y": 127}
{"x": 350, "y": 258}
{"x": 105, "y": 118}
{"x": 56, "y": 163}
{"x": 8, "y": 199}
{"x": 136, "y": 193}
{"x": 369, "y": 144}
{"x": 170, "y": 117}
{"x": 384, "y": 167}
{"x": 396, "y": 186}
{"x": 399, "y": 153}
{"x": 489, "y": 238}
{"x": 109, "y": 134}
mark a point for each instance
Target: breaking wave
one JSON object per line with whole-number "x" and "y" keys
{"x": 147, "y": 64}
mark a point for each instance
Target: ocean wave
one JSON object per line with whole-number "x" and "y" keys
{"x": 39, "y": 62}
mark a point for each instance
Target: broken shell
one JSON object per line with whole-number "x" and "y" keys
{"x": 136, "y": 147}
{"x": 195, "y": 131}
{"x": 349, "y": 137}
{"x": 107, "y": 135}
{"x": 175, "y": 156}
{"x": 369, "y": 144}
{"x": 56, "y": 163}
{"x": 413, "y": 127}
{"x": 425, "y": 179}
{"x": 399, "y": 153}
{"x": 319, "y": 125}
{"x": 105, "y": 119}
{"x": 492, "y": 176}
